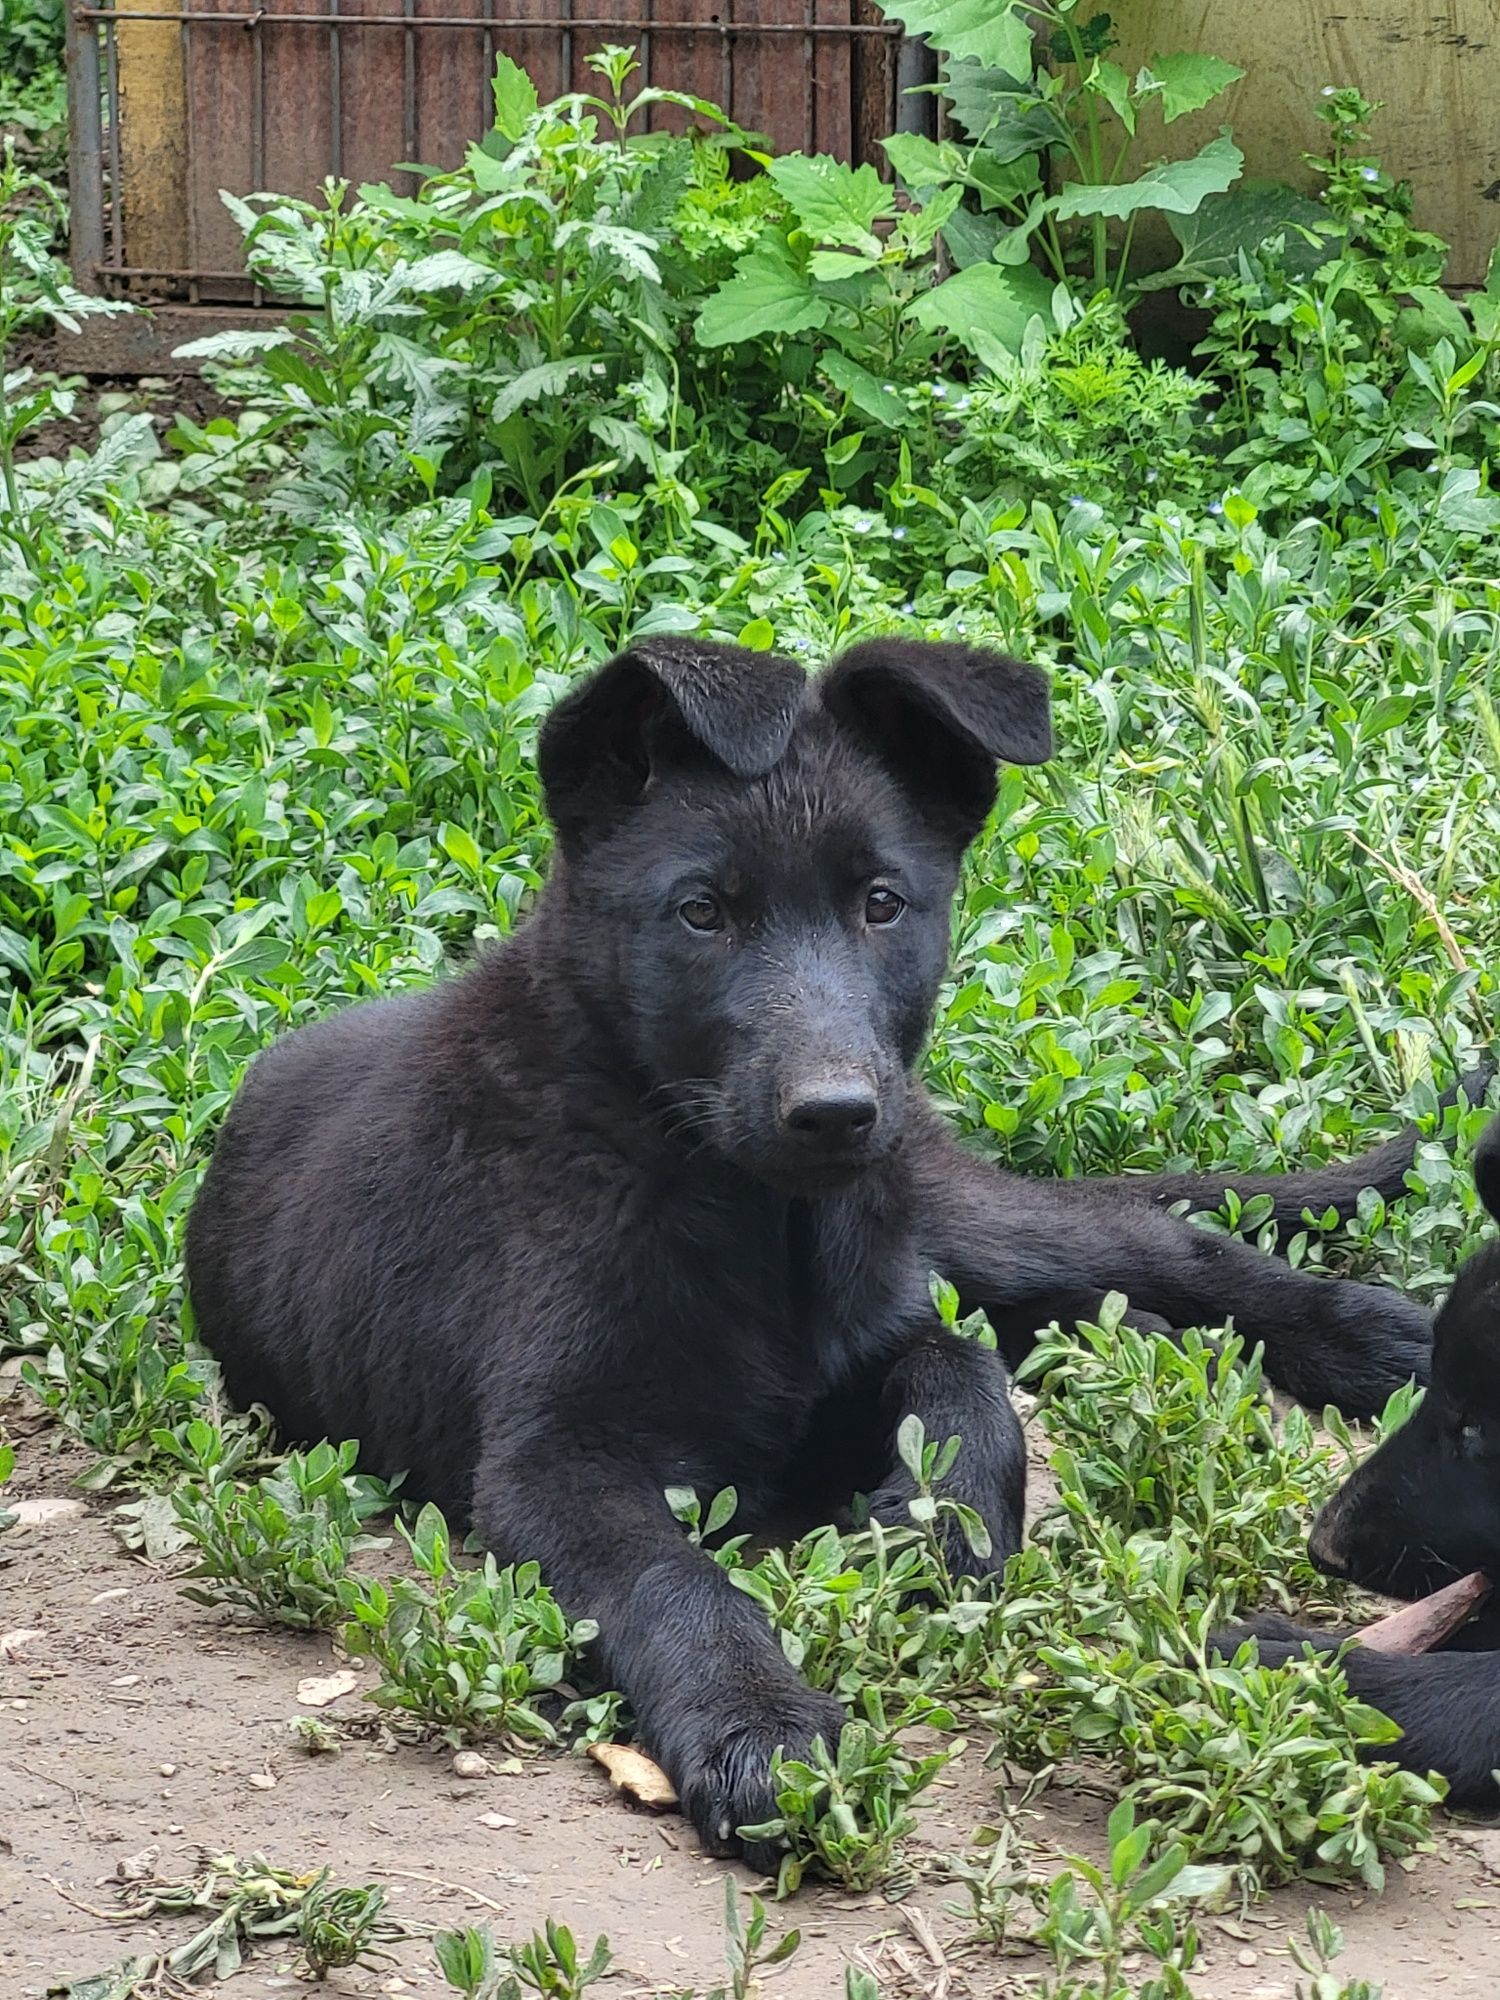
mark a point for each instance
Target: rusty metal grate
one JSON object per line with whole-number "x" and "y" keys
{"x": 171, "y": 104}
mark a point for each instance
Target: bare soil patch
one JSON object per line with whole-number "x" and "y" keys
{"x": 137, "y": 1719}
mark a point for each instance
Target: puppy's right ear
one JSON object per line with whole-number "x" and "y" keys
{"x": 600, "y": 745}
{"x": 1487, "y": 1167}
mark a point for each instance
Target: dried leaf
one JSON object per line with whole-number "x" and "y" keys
{"x": 320, "y": 1689}
{"x": 41, "y": 1513}
{"x": 632, "y": 1772}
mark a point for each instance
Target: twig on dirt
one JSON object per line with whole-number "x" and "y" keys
{"x": 88, "y": 1909}
{"x": 453, "y": 1888}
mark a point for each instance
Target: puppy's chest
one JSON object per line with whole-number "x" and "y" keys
{"x": 750, "y": 1327}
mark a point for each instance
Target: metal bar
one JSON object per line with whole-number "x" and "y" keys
{"x": 116, "y": 178}
{"x": 258, "y": 123}
{"x": 189, "y": 142}
{"x": 85, "y": 147}
{"x": 725, "y": 27}
{"x": 645, "y": 49}
{"x": 409, "y": 85}
{"x": 486, "y": 107}
{"x": 567, "y": 44}
{"x": 856, "y": 29}
{"x": 105, "y": 269}
{"x": 809, "y": 85}
{"x": 916, "y": 65}
{"x": 335, "y": 102}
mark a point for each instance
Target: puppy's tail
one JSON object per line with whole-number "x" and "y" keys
{"x": 1337, "y": 1186}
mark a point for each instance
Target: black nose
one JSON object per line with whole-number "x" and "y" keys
{"x": 831, "y": 1118}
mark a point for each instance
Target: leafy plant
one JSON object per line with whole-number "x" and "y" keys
{"x": 281, "y": 1547}
{"x": 549, "y": 1963}
{"x": 471, "y": 1652}
{"x": 248, "y": 1902}
{"x": 1062, "y": 116}
{"x": 1179, "y": 1438}
{"x": 845, "y": 1813}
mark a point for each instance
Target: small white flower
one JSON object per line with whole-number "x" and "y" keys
{"x": 1215, "y": 507}
{"x": 898, "y": 534}
{"x": 1371, "y": 173}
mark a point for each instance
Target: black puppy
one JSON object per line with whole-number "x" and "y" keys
{"x": 1420, "y": 1512}
{"x": 652, "y": 1196}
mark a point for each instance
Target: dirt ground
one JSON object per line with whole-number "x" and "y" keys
{"x": 131, "y": 1718}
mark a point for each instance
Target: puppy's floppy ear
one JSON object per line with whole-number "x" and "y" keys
{"x": 942, "y": 718}
{"x": 1487, "y": 1167}
{"x": 599, "y": 745}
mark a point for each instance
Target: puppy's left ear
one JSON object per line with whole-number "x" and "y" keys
{"x": 942, "y": 718}
{"x": 1487, "y": 1167}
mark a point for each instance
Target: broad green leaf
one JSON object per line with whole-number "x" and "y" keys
{"x": 1007, "y": 118}
{"x": 1188, "y": 82}
{"x": 834, "y": 203}
{"x": 1113, "y": 85}
{"x": 868, "y": 395}
{"x": 990, "y": 298}
{"x": 993, "y": 32}
{"x": 515, "y": 98}
{"x": 1212, "y": 237}
{"x": 548, "y": 378}
{"x": 920, "y": 161}
{"x": 767, "y": 294}
{"x": 1175, "y": 185}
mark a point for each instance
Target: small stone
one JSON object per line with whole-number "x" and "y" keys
{"x": 1249, "y": 1958}
{"x": 169, "y": 1770}
{"x": 469, "y": 1764}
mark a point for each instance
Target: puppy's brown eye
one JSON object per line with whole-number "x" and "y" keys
{"x": 883, "y": 906}
{"x": 702, "y": 913}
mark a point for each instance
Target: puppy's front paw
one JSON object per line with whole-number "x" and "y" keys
{"x": 724, "y": 1780}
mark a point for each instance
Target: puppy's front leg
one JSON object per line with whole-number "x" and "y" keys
{"x": 712, "y": 1691}
{"x": 959, "y": 1389}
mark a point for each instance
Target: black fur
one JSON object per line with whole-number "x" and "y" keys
{"x": 637, "y": 1204}
{"x": 1420, "y": 1512}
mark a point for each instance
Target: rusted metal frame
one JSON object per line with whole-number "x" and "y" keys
{"x": 482, "y": 24}
{"x": 408, "y": 83}
{"x": 85, "y": 146}
{"x": 809, "y": 84}
{"x": 116, "y": 178}
{"x": 241, "y": 277}
{"x": 190, "y": 162}
{"x": 335, "y": 102}
{"x": 486, "y": 108}
{"x": 258, "y": 125}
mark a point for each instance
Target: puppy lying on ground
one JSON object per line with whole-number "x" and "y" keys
{"x": 1420, "y": 1512}
{"x": 651, "y": 1197}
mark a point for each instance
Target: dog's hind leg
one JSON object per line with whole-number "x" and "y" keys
{"x": 1022, "y": 1249}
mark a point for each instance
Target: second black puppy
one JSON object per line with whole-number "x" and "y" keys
{"x": 651, "y": 1197}
{"x": 1419, "y": 1513}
